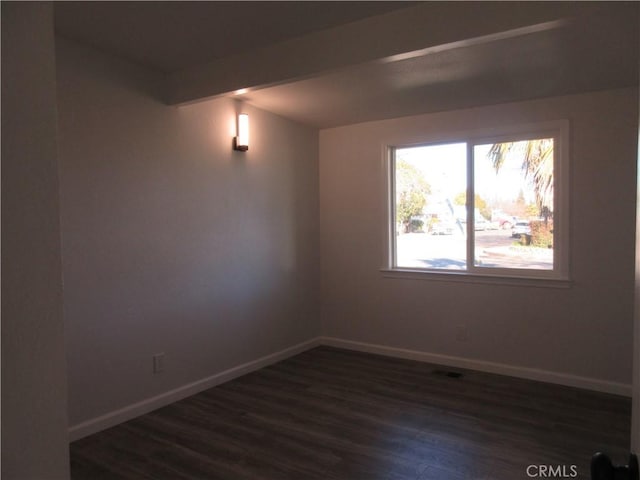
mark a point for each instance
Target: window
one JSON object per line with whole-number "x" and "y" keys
{"x": 487, "y": 205}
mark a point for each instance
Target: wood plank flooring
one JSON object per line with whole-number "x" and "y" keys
{"x": 340, "y": 415}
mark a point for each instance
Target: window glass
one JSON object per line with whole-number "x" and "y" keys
{"x": 430, "y": 219}
{"x": 482, "y": 206}
{"x": 513, "y": 209}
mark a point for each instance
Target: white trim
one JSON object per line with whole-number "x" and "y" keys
{"x": 466, "y": 277}
{"x": 547, "y": 376}
{"x": 129, "y": 412}
{"x": 557, "y": 129}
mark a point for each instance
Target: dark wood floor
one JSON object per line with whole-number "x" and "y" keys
{"x": 336, "y": 414}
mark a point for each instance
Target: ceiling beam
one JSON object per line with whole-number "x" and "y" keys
{"x": 413, "y": 29}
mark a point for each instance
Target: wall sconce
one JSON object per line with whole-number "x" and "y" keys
{"x": 241, "y": 142}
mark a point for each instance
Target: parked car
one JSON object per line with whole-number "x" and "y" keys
{"x": 521, "y": 228}
{"x": 505, "y": 222}
{"x": 442, "y": 228}
{"x": 482, "y": 224}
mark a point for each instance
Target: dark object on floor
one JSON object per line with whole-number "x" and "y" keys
{"x": 603, "y": 469}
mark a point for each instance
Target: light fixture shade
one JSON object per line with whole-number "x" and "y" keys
{"x": 242, "y": 140}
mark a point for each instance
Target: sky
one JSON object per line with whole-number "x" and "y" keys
{"x": 444, "y": 168}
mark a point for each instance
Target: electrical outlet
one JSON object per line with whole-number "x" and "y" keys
{"x": 462, "y": 335}
{"x": 158, "y": 363}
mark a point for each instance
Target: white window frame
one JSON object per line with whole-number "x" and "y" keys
{"x": 559, "y": 276}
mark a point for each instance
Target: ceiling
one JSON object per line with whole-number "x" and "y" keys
{"x": 593, "y": 50}
{"x": 169, "y": 36}
{"x": 556, "y": 58}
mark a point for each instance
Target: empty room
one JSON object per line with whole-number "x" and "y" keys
{"x": 320, "y": 240}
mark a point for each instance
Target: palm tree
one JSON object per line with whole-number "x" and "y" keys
{"x": 537, "y": 165}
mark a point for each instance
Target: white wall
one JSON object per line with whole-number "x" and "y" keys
{"x": 584, "y": 331}
{"x": 172, "y": 242}
{"x": 34, "y": 396}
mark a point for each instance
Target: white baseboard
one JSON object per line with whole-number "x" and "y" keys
{"x": 129, "y": 412}
{"x": 586, "y": 383}
{"x": 145, "y": 406}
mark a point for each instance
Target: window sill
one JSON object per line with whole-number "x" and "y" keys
{"x": 466, "y": 277}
